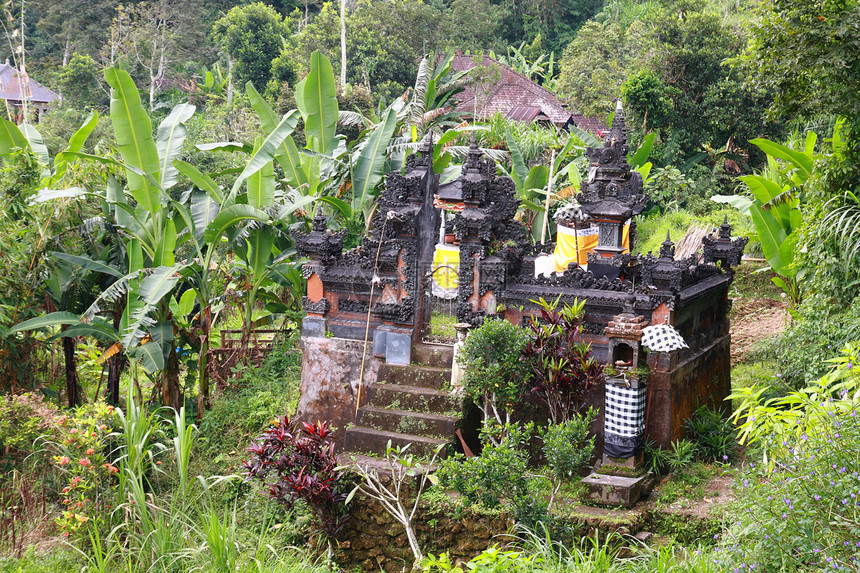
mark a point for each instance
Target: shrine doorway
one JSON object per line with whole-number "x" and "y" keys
{"x": 440, "y": 295}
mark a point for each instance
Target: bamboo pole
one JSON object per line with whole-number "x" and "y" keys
{"x": 546, "y": 204}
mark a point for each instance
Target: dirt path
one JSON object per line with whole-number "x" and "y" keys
{"x": 753, "y": 320}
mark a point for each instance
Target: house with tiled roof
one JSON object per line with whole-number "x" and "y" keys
{"x": 516, "y": 97}
{"x": 17, "y": 88}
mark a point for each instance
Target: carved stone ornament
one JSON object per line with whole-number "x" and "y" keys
{"x": 722, "y": 248}
{"x": 319, "y": 307}
{"x": 320, "y": 244}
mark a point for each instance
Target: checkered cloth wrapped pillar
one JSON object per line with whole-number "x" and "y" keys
{"x": 624, "y": 419}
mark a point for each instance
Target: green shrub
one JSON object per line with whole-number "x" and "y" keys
{"x": 682, "y": 455}
{"x": 713, "y": 435}
{"x": 497, "y": 475}
{"x": 23, "y": 419}
{"x": 264, "y": 393}
{"x": 568, "y": 447}
{"x": 495, "y": 372}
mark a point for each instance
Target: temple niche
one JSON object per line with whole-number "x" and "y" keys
{"x": 382, "y": 291}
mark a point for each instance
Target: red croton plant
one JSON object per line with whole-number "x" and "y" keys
{"x": 297, "y": 462}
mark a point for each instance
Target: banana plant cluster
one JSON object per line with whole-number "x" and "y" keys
{"x": 155, "y": 227}
{"x": 775, "y": 207}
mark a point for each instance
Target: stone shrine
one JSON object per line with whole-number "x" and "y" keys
{"x": 370, "y": 305}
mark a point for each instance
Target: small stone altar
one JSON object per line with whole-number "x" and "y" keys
{"x": 378, "y": 291}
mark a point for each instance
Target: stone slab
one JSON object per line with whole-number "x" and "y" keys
{"x": 616, "y": 490}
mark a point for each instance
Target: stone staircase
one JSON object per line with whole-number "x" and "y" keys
{"x": 409, "y": 405}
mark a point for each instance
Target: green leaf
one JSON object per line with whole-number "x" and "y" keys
{"x": 165, "y": 245}
{"x": 771, "y": 235}
{"x": 318, "y": 105}
{"x": 586, "y": 137}
{"x": 186, "y": 302}
{"x": 765, "y": 190}
{"x": 203, "y": 212}
{"x": 536, "y": 179}
{"x": 800, "y": 160}
{"x": 290, "y": 161}
{"x": 88, "y": 264}
{"x": 641, "y": 155}
{"x": 370, "y": 164}
{"x": 739, "y": 202}
{"x": 228, "y": 146}
{"x": 519, "y": 173}
{"x": 43, "y": 195}
{"x": 133, "y": 132}
{"x": 342, "y": 206}
{"x": 11, "y": 137}
{"x": 200, "y": 180}
{"x": 77, "y": 140}
{"x": 261, "y": 186}
{"x": 153, "y": 288}
{"x": 150, "y": 356}
{"x": 229, "y": 217}
{"x": 76, "y": 143}
{"x": 58, "y": 318}
{"x": 266, "y": 115}
{"x": 99, "y": 328}
{"x": 264, "y": 154}
{"x": 171, "y": 136}
{"x": 260, "y": 243}
{"x": 37, "y": 144}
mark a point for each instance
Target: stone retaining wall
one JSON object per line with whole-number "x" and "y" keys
{"x": 374, "y": 541}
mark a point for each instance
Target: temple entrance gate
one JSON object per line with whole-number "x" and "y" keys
{"x": 441, "y": 293}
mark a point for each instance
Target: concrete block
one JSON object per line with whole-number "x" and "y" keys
{"x": 313, "y": 326}
{"x": 380, "y": 339}
{"x": 398, "y": 348}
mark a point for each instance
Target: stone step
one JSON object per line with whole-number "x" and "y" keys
{"x": 368, "y": 440}
{"x": 436, "y": 355}
{"x": 421, "y": 376}
{"x": 413, "y": 398}
{"x": 418, "y": 423}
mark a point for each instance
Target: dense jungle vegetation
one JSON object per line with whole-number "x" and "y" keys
{"x": 149, "y": 213}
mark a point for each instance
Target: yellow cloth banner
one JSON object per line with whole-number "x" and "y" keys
{"x": 446, "y": 269}
{"x": 574, "y": 245}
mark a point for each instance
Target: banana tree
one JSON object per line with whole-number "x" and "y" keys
{"x": 775, "y": 207}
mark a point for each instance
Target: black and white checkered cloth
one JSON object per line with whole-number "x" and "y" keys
{"x": 662, "y": 338}
{"x": 624, "y": 410}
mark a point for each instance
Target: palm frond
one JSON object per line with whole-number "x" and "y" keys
{"x": 422, "y": 81}
{"x": 159, "y": 283}
{"x": 110, "y": 295}
{"x": 458, "y": 82}
{"x": 843, "y": 224}
{"x": 462, "y": 151}
{"x": 783, "y": 198}
{"x": 348, "y": 118}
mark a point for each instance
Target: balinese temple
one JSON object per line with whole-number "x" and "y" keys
{"x": 461, "y": 243}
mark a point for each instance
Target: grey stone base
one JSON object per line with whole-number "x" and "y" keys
{"x": 617, "y": 490}
{"x": 624, "y": 467}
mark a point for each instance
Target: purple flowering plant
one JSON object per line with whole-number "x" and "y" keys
{"x": 799, "y": 509}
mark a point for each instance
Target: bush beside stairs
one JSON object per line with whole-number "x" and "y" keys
{"x": 409, "y": 405}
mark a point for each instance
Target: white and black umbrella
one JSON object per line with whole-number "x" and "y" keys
{"x": 662, "y": 338}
